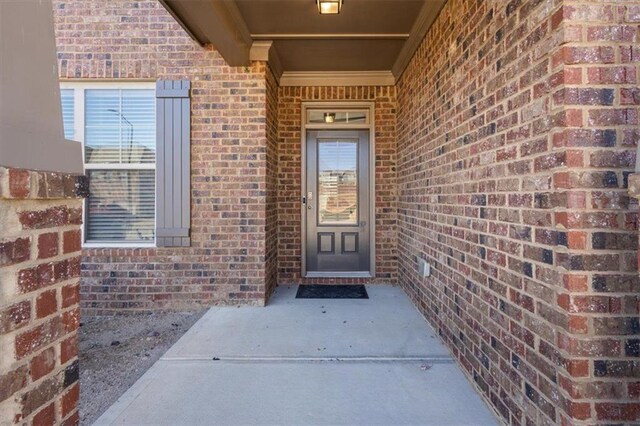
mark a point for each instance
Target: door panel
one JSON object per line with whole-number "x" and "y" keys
{"x": 337, "y": 201}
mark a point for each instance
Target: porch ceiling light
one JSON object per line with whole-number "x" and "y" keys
{"x": 329, "y": 7}
{"x": 329, "y": 117}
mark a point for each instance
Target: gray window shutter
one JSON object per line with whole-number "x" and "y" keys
{"x": 173, "y": 160}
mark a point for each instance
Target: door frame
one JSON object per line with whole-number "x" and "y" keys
{"x": 340, "y": 105}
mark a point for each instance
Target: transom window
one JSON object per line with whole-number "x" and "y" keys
{"x": 337, "y": 117}
{"x": 116, "y": 124}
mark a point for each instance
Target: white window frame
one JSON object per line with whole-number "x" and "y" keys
{"x": 79, "y": 89}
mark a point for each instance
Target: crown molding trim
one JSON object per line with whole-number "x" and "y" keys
{"x": 265, "y": 51}
{"x": 427, "y": 16}
{"x": 331, "y": 36}
{"x": 337, "y": 78}
{"x": 260, "y": 50}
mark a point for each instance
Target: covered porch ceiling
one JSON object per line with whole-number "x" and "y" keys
{"x": 370, "y": 41}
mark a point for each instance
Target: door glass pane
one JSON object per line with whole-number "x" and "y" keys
{"x": 337, "y": 182}
{"x": 357, "y": 117}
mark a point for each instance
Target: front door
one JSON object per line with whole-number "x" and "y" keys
{"x": 337, "y": 202}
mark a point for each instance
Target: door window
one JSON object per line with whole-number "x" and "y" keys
{"x": 337, "y": 182}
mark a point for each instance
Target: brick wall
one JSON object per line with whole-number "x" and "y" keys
{"x": 600, "y": 99}
{"x": 230, "y": 260}
{"x": 289, "y": 150}
{"x": 515, "y": 132}
{"x": 271, "y": 226}
{"x": 517, "y": 126}
{"x": 40, "y": 218}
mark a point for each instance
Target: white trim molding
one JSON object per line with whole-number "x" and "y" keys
{"x": 337, "y": 78}
{"x": 265, "y": 51}
{"x": 331, "y": 36}
{"x": 260, "y": 50}
{"x": 80, "y": 87}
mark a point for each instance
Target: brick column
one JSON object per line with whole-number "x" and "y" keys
{"x": 40, "y": 218}
{"x": 517, "y": 130}
{"x": 634, "y": 194}
{"x": 597, "y": 338}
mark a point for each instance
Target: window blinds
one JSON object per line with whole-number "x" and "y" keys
{"x": 68, "y": 107}
{"x": 119, "y": 143}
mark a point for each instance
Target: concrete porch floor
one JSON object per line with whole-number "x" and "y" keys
{"x": 303, "y": 362}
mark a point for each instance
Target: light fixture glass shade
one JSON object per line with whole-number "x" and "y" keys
{"x": 329, "y": 7}
{"x": 329, "y": 117}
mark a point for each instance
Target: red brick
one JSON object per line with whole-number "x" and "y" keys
{"x": 577, "y": 240}
{"x": 42, "y": 364}
{"x": 70, "y": 295}
{"x": 42, "y": 393}
{"x": 73, "y": 420}
{"x": 70, "y": 400}
{"x": 35, "y": 278}
{"x": 578, "y": 324}
{"x": 15, "y": 316}
{"x": 617, "y": 33}
{"x": 612, "y": 75}
{"x": 579, "y": 411}
{"x": 618, "y": 411}
{"x": 45, "y": 417}
{"x": 12, "y": 381}
{"x": 19, "y": 183}
{"x": 589, "y": 55}
{"x": 68, "y": 349}
{"x": 612, "y": 117}
{"x": 16, "y": 251}
{"x": 71, "y": 241}
{"x": 633, "y": 13}
{"x": 35, "y": 339}
{"x": 48, "y": 218}
{"x": 634, "y": 390}
{"x": 27, "y": 317}
{"x": 47, "y": 245}
{"x": 589, "y": 13}
{"x": 46, "y": 303}
{"x": 576, "y": 283}
{"x": 71, "y": 320}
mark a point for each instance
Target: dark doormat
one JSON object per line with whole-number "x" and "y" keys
{"x": 332, "y": 292}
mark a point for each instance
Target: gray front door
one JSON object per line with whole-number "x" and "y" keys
{"x": 337, "y": 201}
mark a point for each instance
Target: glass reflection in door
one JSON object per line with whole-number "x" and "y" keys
{"x": 337, "y": 182}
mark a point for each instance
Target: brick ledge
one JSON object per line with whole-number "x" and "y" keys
{"x": 22, "y": 184}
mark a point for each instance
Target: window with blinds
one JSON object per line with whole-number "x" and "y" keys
{"x": 117, "y": 126}
{"x": 68, "y": 107}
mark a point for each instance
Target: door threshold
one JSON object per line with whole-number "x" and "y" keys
{"x": 327, "y": 274}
